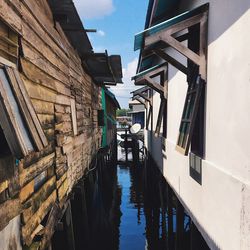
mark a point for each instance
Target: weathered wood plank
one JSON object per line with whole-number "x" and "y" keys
{"x": 62, "y": 191}
{"x": 42, "y": 21}
{"x": 33, "y": 204}
{"x": 36, "y": 156}
{"x": 38, "y": 59}
{"x": 9, "y": 210}
{"x": 27, "y": 191}
{"x": 11, "y": 16}
{"x": 37, "y": 168}
{"x": 4, "y": 185}
{"x": 37, "y": 75}
{"x": 60, "y": 117}
{"x": 78, "y": 140}
{"x": 64, "y": 127}
{"x": 62, "y": 139}
{"x": 42, "y": 107}
{"x": 39, "y": 92}
{"x": 54, "y": 217}
{"x": 37, "y": 43}
{"x": 33, "y": 223}
{"x": 61, "y": 180}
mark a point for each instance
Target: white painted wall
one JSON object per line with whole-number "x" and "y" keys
{"x": 10, "y": 236}
{"x": 221, "y": 205}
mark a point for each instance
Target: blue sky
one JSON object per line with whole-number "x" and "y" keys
{"x": 117, "y": 21}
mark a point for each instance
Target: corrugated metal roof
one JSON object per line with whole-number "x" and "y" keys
{"x": 105, "y": 69}
{"x": 139, "y": 38}
{"x": 112, "y": 97}
{"x": 65, "y": 13}
{"x": 143, "y": 73}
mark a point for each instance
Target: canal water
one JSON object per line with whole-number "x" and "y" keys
{"x": 125, "y": 207}
{"x": 131, "y": 207}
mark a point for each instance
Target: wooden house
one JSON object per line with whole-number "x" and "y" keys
{"x": 50, "y": 92}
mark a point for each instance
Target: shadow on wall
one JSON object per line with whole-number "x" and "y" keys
{"x": 155, "y": 149}
{"x": 222, "y": 16}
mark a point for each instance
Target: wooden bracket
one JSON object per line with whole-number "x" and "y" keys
{"x": 162, "y": 108}
{"x": 160, "y": 117}
{"x": 167, "y": 36}
{"x": 147, "y": 99}
{"x": 147, "y": 79}
{"x": 140, "y": 101}
{"x": 148, "y": 116}
{"x": 171, "y": 60}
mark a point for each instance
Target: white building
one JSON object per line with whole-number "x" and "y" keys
{"x": 195, "y": 57}
{"x": 137, "y": 112}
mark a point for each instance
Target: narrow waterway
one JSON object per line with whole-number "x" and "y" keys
{"x": 127, "y": 207}
{"x": 133, "y": 226}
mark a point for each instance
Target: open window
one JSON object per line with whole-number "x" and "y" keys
{"x": 154, "y": 43}
{"x": 189, "y": 115}
{"x": 18, "y": 120}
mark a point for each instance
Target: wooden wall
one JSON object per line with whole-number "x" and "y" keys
{"x": 66, "y": 102}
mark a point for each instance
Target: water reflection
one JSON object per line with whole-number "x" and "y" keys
{"x": 132, "y": 208}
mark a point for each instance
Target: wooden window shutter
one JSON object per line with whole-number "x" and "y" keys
{"x": 19, "y": 115}
{"x": 189, "y": 114}
{"x": 8, "y": 43}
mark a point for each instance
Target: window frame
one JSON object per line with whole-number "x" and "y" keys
{"x": 194, "y": 93}
{"x": 29, "y": 118}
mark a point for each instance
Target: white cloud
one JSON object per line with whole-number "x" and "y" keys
{"x": 122, "y": 92}
{"x": 101, "y": 33}
{"x": 89, "y": 9}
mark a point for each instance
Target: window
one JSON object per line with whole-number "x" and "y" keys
{"x": 8, "y": 44}
{"x": 195, "y": 163}
{"x": 192, "y": 123}
{"x": 100, "y": 116}
{"x": 189, "y": 116}
{"x": 6, "y": 162}
{"x": 18, "y": 119}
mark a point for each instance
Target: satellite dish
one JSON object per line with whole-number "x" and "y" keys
{"x": 135, "y": 129}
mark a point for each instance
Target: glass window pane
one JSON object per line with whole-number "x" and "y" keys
{"x": 186, "y": 133}
{"x": 198, "y": 164}
{"x": 15, "y": 109}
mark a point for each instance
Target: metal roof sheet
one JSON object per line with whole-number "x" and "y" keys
{"x": 139, "y": 38}
{"x": 65, "y": 13}
{"x": 143, "y": 73}
{"x": 105, "y": 69}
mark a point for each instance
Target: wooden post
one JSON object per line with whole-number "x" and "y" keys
{"x": 126, "y": 143}
{"x": 180, "y": 226}
{"x": 80, "y": 217}
{"x": 170, "y": 218}
{"x": 70, "y": 231}
{"x": 163, "y": 212}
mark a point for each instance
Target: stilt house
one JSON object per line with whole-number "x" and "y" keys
{"x": 50, "y": 94}
{"x": 195, "y": 64}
